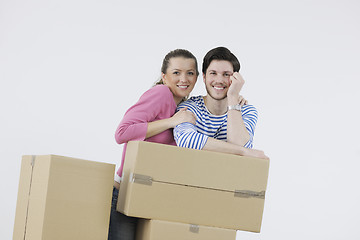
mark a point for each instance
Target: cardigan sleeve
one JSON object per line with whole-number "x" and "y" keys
{"x": 133, "y": 126}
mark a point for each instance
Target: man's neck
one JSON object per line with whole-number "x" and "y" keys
{"x": 216, "y": 107}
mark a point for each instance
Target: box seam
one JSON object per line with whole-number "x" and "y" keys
{"x": 32, "y": 163}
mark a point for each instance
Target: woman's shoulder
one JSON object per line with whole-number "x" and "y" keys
{"x": 158, "y": 97}
{"x": 158, "y": 91}
{"x": 160, "y": 88}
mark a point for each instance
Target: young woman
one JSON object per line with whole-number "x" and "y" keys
{"x": 152, "y": 119}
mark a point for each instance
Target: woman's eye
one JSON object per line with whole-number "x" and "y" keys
{"x": 227, "y": 75}
{"x": 191, "y": 73}
{"x": 176, "y": 73}
{"x": 213, "y": 73}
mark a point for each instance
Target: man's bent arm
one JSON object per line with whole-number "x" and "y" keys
{"x": 185, "y": 135}
{"x": 248, "y": 121}
{"x": 236, "y": 130}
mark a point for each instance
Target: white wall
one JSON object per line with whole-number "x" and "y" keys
{"x": 70, "y": 69}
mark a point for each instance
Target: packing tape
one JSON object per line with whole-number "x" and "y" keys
{"x": 249, "y": 194}
{"x": 142, "y": 179}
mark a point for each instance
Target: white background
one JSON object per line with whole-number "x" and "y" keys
{"x": 69, "y": 70}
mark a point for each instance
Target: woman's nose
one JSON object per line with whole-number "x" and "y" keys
{"x": 183, "y": 77}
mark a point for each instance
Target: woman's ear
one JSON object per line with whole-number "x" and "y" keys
{"x": 204, "y": 77}
{"x": 163, "y": 77}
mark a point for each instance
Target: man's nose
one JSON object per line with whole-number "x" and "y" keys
{"x": 220, "y": 79}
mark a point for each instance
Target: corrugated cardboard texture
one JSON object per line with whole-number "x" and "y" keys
{"x": 63, "y": 198}
{"x": 163, "y": 230}
{"x": 193, "y": 186}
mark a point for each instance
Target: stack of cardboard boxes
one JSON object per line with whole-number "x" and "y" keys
{"x": 189, "y": 194}
{"x": 178, "y": 193}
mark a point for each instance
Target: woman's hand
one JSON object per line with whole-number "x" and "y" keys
{"x": 183, "y": 116}
{"x": 159, "y": 126}
{"x": 242, "y": 101}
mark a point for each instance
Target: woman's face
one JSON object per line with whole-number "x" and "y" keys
{"x": 180, "y": 77}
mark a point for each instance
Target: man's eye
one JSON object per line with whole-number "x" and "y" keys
{"x": 213, "y": 73}
{"x": 191, "y": 73}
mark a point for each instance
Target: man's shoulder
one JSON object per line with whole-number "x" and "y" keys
{"x": 192, "y": 102}
{"x": 249, "y": 109}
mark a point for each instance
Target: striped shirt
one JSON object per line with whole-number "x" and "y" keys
{"x": 209, "y": 125}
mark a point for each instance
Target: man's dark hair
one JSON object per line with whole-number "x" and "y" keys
{"x": 220, "y": 53}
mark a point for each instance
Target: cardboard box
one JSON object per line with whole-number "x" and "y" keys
{"x": 63, "y": 198}
{"x": 193, "y": 186}
{"x": 163, "y": 230}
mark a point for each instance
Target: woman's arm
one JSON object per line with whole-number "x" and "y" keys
{"x": 143, "y": 120}
{"x": 134, "y": 124}
{"x": 159, "y": 126}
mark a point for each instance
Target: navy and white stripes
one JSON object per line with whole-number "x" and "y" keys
{"x": 209, "y": 125}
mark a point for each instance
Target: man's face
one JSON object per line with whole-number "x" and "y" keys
{"x": 217, "y": 78}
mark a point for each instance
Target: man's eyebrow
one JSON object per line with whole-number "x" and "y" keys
{"x": 226, "y": 71}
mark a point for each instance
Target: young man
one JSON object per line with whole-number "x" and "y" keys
{"x": 223, "y": 122}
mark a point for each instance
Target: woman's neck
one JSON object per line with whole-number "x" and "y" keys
{"x": 177, "y": 100}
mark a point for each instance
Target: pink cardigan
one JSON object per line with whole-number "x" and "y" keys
{"x": 155, "y": 104}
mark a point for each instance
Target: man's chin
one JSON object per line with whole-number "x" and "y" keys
{"x": 214, "y": 96}
{"x": 219, "y": 98}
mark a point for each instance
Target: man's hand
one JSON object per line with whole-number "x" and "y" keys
{"x": 255, "y": 153}
{"x": 236, "y": 84}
